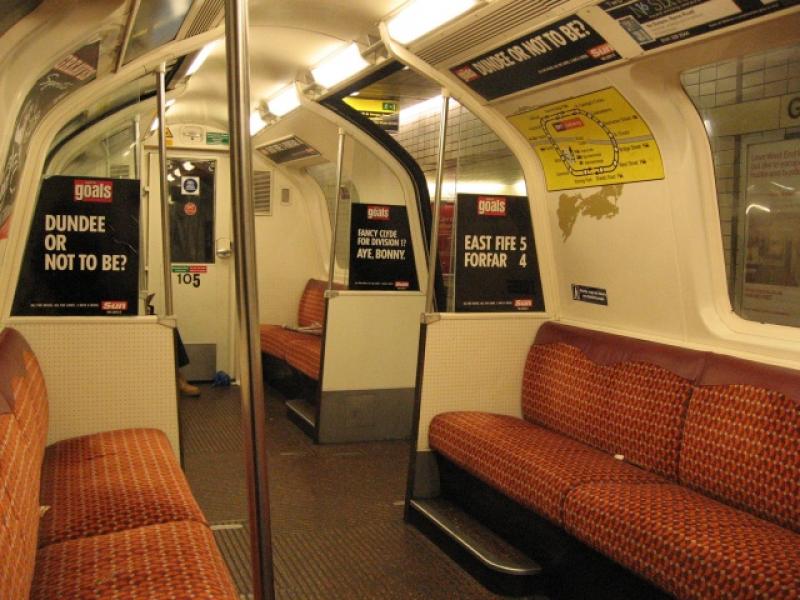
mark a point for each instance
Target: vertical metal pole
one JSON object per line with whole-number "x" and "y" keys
{"x": 433, "y": 255}
{"x": 335, "y": 224}
{"x": 253, "y": 411}
{"x": 166, "y": 250}
{"x": 144, "y": 208}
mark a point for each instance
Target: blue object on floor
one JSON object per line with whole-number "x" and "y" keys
{"x": 221, "y": 379}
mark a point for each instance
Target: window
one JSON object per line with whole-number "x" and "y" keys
{"x": 751, "y": 110}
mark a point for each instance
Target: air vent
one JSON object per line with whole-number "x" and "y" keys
{"x": 206, "y": 17}
{"x": 262, "y": 192}
{"x": 497, "y": 22}
{"x": 120, "y": 172}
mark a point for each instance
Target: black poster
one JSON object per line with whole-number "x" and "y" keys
{"x": 567, "y": 46}
{"x": 287, "y": 150}
{"x": 67, "y": 75}
{"x": 381, "y": 253}
{"x": 82, "y": 256}
{"x": 656, "y": 23}
{"x": 496, "y": 266}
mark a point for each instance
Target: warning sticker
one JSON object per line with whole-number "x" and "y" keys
{"x": 594, "y": 139}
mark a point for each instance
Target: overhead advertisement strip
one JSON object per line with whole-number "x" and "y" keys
{"x": 562, "y": 48}
{"x": 656, "y": 23}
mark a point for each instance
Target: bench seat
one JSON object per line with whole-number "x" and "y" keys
{"x": 275, "y": 339}
{"x": 686, "y": 543}
{"x": 170, "y": 560}
{"x": 305, "y": 355}
{"x": 530, "y": 464}
{"x": 112, "y": 481}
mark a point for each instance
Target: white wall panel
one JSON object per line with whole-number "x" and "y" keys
{"x": 103, "y": 375}
{"x": 474, "y": 363}
{"x": 372, "y": 341}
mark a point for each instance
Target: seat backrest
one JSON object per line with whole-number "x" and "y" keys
{"x": 741, "y": 441}
{"x": 312, "y": 303}
{"x": 618, "y": 394}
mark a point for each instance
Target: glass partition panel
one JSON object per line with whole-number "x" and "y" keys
{"x": 751, "y": 110}
{"x": 157, "y": 23}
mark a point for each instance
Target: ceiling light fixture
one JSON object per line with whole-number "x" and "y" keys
{"x": 284, "y": 102}
{"x": 420, "y": 17}
{"x": 200, "y": 58}
{"x": 339, "y": 66}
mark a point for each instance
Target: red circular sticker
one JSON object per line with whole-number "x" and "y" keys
{"x": 190, "y": 209}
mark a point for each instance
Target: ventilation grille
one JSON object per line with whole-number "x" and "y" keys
{"x": 119, "y": 172}
{"x": 262, "y": 192}
{"x": 497, "y": 22}
{"x": 207, "y": 17}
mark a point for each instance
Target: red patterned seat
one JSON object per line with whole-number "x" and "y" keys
{"x": 304, "y": 355}
{"x": 112, "y": 481}
{"x": 171, "y": 560}
{"x": 275, "y": 339}
{"x": 530, "y": 464}
{"x": 686, "y": 543}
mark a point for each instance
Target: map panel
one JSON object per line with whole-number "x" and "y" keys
{"x": 594, "y": 139}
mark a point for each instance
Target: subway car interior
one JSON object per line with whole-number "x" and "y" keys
{"x": 394, "y": 299}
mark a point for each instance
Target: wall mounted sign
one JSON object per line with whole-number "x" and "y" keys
{"x": 656, "y": 23}
{"x": 496, "y": 267}
{"x": 563, "y": 48}
{"x": 82, "y": 255}
{"x": 384, "y": 113}
{"x": 592, "y": 295}
{"x": 594, "y": 139}
{"x": 287, "y": 150}
{"x": 67, "y": 75}
{"x": 381, "y": 252}
{"x": 217, "y": 138}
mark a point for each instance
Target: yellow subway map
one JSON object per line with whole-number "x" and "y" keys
{"x": 590, "y": 140}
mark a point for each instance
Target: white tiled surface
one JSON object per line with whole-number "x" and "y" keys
{"x": 474, "y": 365}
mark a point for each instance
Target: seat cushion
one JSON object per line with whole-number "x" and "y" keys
{"x": 171, "y": 560}
{"x": 275, "y": 339}
{"x": 112, "y": 481}
{"x": 686, "y": 543}
{"x": 741, "y": 444}
{"x": 631, "y": 408}
{"x": 532, "y": 465}
{"x": 304, "y": 355}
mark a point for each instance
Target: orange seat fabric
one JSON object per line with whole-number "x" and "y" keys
{"x": 275, "y": 339}
{"x": 304, "y": 354}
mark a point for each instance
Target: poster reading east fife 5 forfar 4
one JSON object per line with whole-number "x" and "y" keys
{"x": 590, "y": 140}
{"x": 82, "y": 255}
{"x": 770, "y": 291}
{"x": 496, "y": 265}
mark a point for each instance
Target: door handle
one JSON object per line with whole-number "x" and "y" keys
{"x": 224, "y": 247}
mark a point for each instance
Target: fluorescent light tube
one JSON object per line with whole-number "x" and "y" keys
{"x": 200, "y": 58}
{"x": 422, "y": 16}
{"x": 339, "y": 66}
{"x": 256, "y": 123}
{"x": 284, "y": 101}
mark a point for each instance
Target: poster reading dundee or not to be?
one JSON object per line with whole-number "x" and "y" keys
{"x": 496, "y": 266}
{"x": 82, "y": 255}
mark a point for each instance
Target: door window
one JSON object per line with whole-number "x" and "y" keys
{"x": 191, "y": 202}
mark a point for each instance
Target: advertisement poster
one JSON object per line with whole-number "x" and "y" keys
{"x": 656, "y": 23}
{"x": 69, "y": 74}
{"x": 496, "y": 266}
{"x": 381, "y": 252}
{"x": 771, "y": 286}
{"x": 594, "y": 139}
{"x": 287, "y": 150}
{"x": 563, "y": 48}
{"x": 82, "y": 255}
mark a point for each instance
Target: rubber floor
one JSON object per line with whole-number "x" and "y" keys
{"x": 336, "y": 510}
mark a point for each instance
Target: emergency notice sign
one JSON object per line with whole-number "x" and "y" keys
{"x": 82, "y": 256}
{"x": 496, "y": 266}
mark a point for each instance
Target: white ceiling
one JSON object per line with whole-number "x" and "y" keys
{"x": 286, "y": 37}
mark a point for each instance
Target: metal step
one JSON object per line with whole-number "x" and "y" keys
{"x": 483, "y": 544}
{"x": 303, "y": 414}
